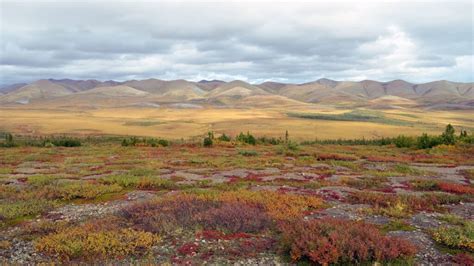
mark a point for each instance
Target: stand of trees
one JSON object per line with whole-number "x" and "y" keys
{"x": 425, "y": 141}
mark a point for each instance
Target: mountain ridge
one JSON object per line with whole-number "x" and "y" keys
{"x": 233, "y": 93}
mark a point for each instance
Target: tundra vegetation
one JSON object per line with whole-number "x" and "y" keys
{"x": 237, "y": 198}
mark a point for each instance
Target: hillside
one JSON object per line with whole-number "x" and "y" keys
{"x": 369, "y": 93}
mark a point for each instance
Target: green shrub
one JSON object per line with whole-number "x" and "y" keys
{"x": 163, "y": 142}
{"x": 448, "y": 137}
{"x": 21, "y": 208}
{"x": 248, "y": 153}
{"x": 403, "y": 141}
{"x": 426, "y": 142}
{"x": 77, "y": 190}
{"x": 458, "y": 236}
{"x": 207, "y": 142}
{"x": 8, "y": 141}
{"x": 246, "y": 138}
{"x": 224, "y": 137}
{"x": 140, "y": 182}
{"x": 64, "y": 142}
{"x": 41, "y": 180}
{"x": 130, "y": 141}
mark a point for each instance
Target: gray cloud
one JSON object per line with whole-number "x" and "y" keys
{"x": 292, "y": 42}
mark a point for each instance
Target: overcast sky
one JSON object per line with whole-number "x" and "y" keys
{"x": 290, "y": 42}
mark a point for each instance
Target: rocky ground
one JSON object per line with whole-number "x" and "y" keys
{"x": 332, "y": 180}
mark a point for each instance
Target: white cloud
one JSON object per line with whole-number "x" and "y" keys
{"x": 292, "y": 42}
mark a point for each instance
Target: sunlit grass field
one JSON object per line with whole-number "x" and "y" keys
{"x": 272, "y": 122}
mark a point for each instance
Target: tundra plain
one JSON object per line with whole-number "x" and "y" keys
{"x": 235, "y": 174}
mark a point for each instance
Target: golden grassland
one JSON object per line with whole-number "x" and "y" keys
{"x": 188, "y": 123}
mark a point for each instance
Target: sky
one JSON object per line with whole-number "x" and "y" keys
{"x": 294, "y": 42}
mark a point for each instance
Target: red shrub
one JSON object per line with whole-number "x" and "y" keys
{"x": 330, "y": 241}
{"x": 235, "y": 217}
{"x": 218, "y": 235}
{"x": 189, "y": 249}
{"x": 456, "y": 188}
{"x": 255, "y": 246}
{"x": 187, "y": 211}
{"x": 463, "y": 259}
{"x": 254, "y": 177}
{"x": 164, "y": 215}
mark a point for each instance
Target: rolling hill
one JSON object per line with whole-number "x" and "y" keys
{"x": 369, "y": 93}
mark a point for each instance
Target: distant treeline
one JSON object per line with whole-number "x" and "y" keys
{"x": 425, "y": 141}
{"x": 62, "y": 141}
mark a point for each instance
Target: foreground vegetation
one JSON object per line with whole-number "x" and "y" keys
{"x": 241, "y": 198}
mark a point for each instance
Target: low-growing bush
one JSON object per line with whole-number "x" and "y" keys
{"x": 208, "y": 141}
{"x": 76, "y": 190}
{"x": 288, "y": 148}
{"x": 424, "y": 184}
{"x": 248, "y": 153}
{"x": 405, "y": 169}
{"x": 365, "y": 182}
{"x": 224, "y": 137}
{"x": 167, "y": 214}
{"x": 150, "y": 142}
{"x": 456, "y": 188}
{"x": 463, "y": 259}
{"x": 433, "y": 185}
{"x": 8, "y": 143}
{"x": 279, "y": 206}
{"x": 456, "y": 236}
{"x": 404, "y": 141}
{"x": 21, "y": 208}
{"x": 65, "y": 142}
{"x": 402, "y": 205}
{"x": 235, "y": 217}
{"x": 246, "y": 138}
{"x": 41, "y": 180}
{"x": 95, "y": 243}
{"x": 426, "y": 141}
{"x": 331, "y": 241}
{"x": 335, "y": 157}
{"x": 186, "y": 211}
{"x": 156, "y": 142}
{"x": 230, "y": 211}
{"x": 140, "y": 182}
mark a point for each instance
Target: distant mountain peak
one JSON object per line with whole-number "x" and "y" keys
{"x": 209, "y": 81}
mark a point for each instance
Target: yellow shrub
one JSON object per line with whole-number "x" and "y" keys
{"x": 79, "y": 242}
{"x": 460, "y": 236}
{"x": 280, "y": 206}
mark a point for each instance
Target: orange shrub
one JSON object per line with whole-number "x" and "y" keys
{"x": 456, "y": 188}
{"x": 280, "y": 206}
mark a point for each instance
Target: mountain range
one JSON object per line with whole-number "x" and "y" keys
{"x": 188, "y": 94}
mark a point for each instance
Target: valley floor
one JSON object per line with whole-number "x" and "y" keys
{"x": 244, "y": 204}
{"x": 173, "y": 123}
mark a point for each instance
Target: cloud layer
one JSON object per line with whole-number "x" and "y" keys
{"x": 290, "y": 42}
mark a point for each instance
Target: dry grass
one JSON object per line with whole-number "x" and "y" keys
{"x": 185, "y": 123}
